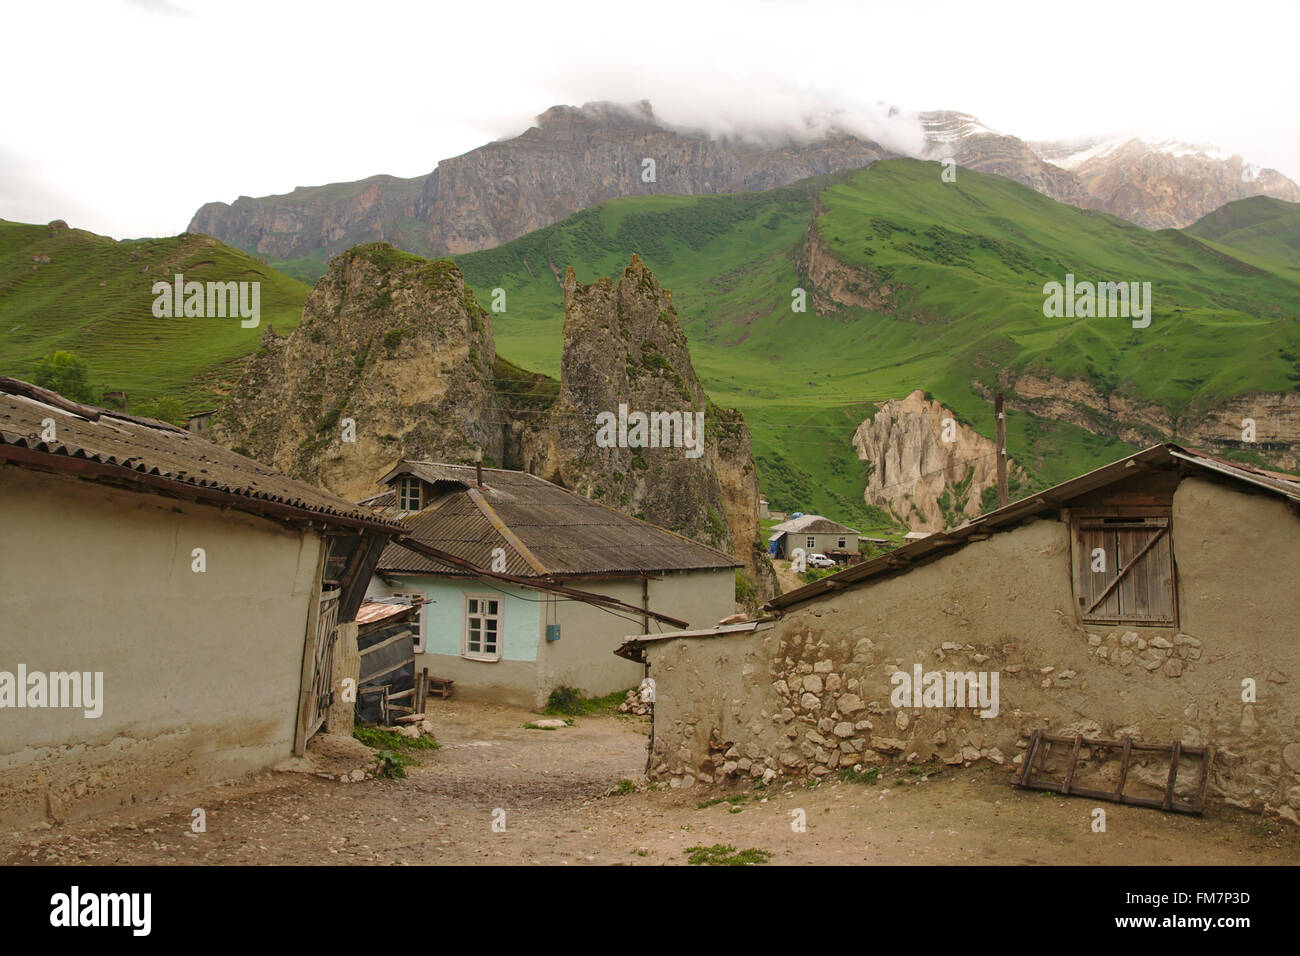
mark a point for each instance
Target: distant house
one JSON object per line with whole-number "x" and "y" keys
{"x": 515, "y": 636}
{"x": 169, "y": 610}
{"x": 199, "y": 422}
{"x": 813, "y": 533}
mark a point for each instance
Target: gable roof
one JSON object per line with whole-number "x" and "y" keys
{"x": 918, "y": 552}
{"x": 144, "y": 454}
{"x": 811, "y": 524}
{"x": 544, "y": 530}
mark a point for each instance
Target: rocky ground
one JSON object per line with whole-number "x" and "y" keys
{"x": 555, "y": 799}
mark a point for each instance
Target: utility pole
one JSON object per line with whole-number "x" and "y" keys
{"x": 1002, "y": 450}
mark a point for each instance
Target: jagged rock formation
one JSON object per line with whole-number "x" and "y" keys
{"x": 926, "y": 482}
{"x": 833, "y": 285}
{"x": 393, "y": 342}
{"x": 1276, "y": 416}
{"x": 624, "y": 346}
{"x": 576, "y": 157}
{"x": 398, "y": 345}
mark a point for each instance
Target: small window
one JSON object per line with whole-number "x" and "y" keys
{"x": 482, "y": 638}
{"x": 812, "y": 541}
{"x": 1124, "y": 570}
{"x": 408, "y": 493}
{"x": 417, "y": 622}
{"x": 842, "y": 542}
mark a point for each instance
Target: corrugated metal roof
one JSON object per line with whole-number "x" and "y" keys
{"x": 563, "y": 532}
{"x": 915, "y": 552}
{"x": 812, "y": 524}
{"x": 101, "y": 444}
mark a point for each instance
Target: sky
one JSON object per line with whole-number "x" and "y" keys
{"x": 124, "y": 116}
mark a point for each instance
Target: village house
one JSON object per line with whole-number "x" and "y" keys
{"x": 514, "y": 636}
{"x": 816, "y": 535}
{"x": 1153, "y": 599}
{"x": 169, "y": 611}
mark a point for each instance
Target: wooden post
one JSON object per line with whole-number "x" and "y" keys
{"x": 1003, "y": 497}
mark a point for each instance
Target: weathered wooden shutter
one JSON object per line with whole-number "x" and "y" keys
{"x": 1137, "y": 586}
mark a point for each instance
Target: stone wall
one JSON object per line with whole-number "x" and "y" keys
{"x": 811, "y": 694}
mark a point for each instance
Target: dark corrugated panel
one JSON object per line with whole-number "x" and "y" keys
{"x": 567, "y": 533}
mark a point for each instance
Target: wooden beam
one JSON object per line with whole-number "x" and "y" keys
{"x": 1003, "y": 495}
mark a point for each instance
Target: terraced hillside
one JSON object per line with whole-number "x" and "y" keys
{"x": 71, "y": 290}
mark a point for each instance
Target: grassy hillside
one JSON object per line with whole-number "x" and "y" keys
{"x": 964, "y": 263}
{"x": 94, "y": 298}
{"x": 968, "y": 261}
{"x": 1261, "y": 230}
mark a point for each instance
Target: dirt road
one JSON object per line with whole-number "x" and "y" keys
{"x": 551, "y": 792}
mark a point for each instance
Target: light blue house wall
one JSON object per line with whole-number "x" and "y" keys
{"x": 443, "y": 614}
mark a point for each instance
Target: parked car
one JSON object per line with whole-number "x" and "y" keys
{"x": 816, "y": 560}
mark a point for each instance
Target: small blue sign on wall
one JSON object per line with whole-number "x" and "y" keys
{"x": 552, "y": 632}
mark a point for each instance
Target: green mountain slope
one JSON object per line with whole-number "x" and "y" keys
{"x": 1260, "y": 230}
{"x": 965, "y": 263}
{"x": 76, "y": 291}
{"x": 953, "y": 274}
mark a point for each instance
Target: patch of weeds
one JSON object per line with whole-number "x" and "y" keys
{"x": 915, "y": 771}
{"x": 393, "y": 765}
{"x": 732, "y": 799}
{"x": 867, "y": 775}
{"x": 569, "y": 702}
{"x": 722, "y": 855}
{"x": 624, "y": 787}
{"x": 382, "y": 739}
{"x": 736, "y": 810}
{"x": 641, "y": 852}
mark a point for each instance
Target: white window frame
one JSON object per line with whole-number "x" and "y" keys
{"x": 404, "y": 496}
{"x": 417, "y": 630}
{"x": 812, "y": 542}
{"x": 844, "y": 542}
{"x": 499, "y": 617}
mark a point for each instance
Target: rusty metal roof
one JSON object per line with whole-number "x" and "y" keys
{"x": 543, "y": 530}
{"x": 372, "y": 611}
{"x": 100, "y": 444}
{"x": 914, "y": 553}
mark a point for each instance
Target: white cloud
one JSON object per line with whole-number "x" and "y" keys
{"x": 125, "y": 118}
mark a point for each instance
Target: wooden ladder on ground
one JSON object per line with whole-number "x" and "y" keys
{"x": 1128, "y": 746}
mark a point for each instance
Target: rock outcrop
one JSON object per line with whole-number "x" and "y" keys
{"x": 1164, "y": 185}
{"x": 926, "y": 468}
{"x": 625, "y": 354}
{"x": 1276, "y": 416}
{"x": 396, "y": 344}
{"x": 395, "y": 359}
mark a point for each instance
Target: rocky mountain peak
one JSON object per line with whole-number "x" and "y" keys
{"x": 393, "y": 342}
